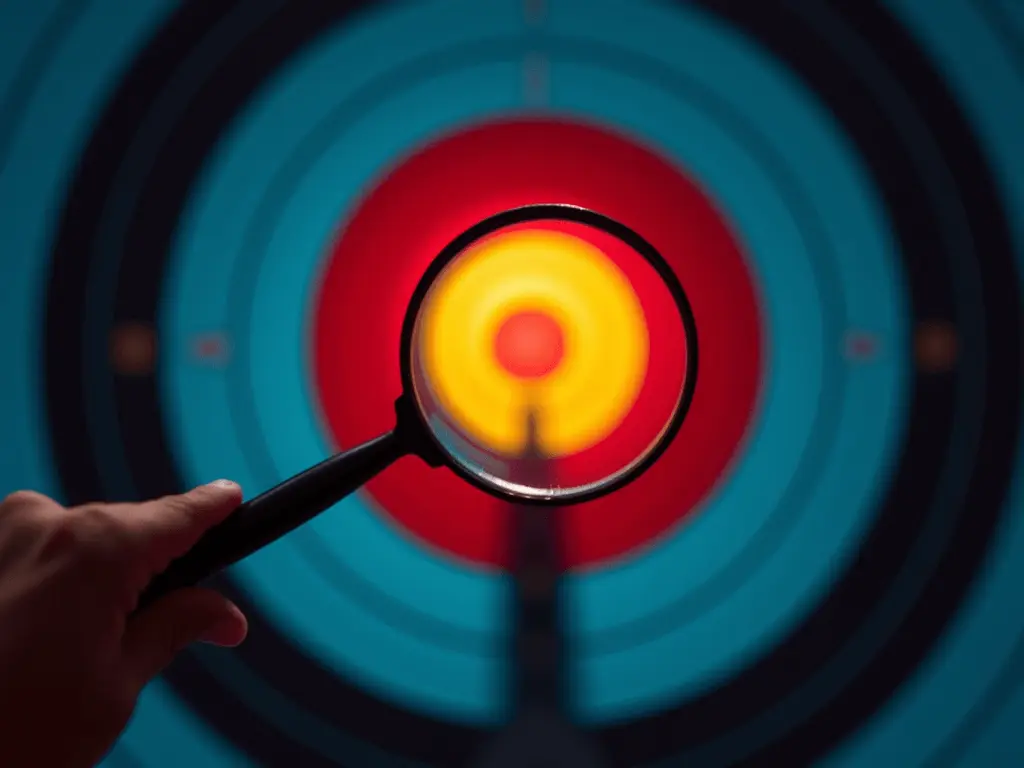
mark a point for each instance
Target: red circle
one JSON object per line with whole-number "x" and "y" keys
{"x": 529, "y": 345}
{"x": 456, "y": 181}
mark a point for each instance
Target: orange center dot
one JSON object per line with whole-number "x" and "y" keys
{"x": 529, "y": 345}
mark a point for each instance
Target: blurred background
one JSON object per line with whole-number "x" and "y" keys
{"x": 213, "y": 213}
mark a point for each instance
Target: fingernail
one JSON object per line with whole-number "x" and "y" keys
{"x": 223, "y": 634}
{"x": 227, "y": 632}
{"x": 230, "y": 485}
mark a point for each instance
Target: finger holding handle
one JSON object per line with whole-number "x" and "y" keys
{"x": 268, "y": 517}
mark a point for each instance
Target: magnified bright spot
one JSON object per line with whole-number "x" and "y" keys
{"x": 531, "y": 319}
{"x": 529, "y": 345}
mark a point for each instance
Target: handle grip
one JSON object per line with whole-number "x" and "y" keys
{"x": 268, "y": 517}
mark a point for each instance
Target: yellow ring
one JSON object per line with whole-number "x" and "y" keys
{"x": 606, "y": 341}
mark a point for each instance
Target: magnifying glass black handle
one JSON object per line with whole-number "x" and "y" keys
{"x": 268, "y": 517}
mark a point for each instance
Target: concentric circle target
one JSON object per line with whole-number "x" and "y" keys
{"x": 215, "y": 214}
{"x": 530, "y": 160}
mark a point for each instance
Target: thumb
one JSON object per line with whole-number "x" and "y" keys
{"x": 159, "y": 633}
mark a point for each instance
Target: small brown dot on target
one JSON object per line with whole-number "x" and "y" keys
{"x": 210, "y": 348}
{"x": 133, "y": 349}
{"x": 861, "y": 346}
{"x": 936, "y": 346}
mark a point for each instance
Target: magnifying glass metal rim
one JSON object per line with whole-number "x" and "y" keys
{"x": 548, "y": 212}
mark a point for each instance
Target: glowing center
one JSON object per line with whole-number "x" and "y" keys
{"x": 529, "y": 345}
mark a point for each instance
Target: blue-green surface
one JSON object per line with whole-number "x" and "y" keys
{"x": 817, "y": 242}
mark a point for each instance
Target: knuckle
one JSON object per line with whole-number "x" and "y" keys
{"x": 27, "y": 512}
{"x": 65, "y": 536}
{"x": 21, "y": 499}
{"x": 87, "y": 535}
{"x": 93, "y": 519}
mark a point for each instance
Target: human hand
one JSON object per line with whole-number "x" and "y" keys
{"x": 73, "y": 657}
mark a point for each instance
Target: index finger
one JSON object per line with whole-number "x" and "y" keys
{"x": 167, "y": 528}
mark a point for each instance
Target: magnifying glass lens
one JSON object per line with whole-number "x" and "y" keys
{"x": 548, "y": 360}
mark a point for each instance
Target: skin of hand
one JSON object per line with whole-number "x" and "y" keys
{"x": 73, "y": 654}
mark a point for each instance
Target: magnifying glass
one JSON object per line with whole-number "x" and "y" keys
{"x": 431, "y": 423}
